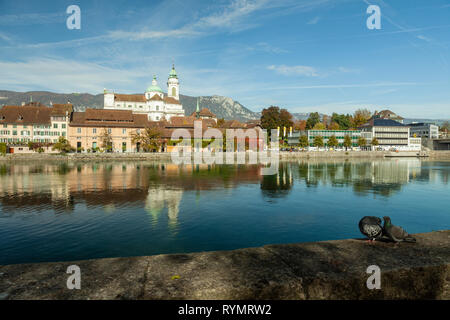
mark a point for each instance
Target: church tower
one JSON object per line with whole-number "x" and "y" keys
{"x": 173, "y": 85}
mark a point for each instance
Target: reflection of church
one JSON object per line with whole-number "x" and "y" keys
{"x": 160, "y": 198}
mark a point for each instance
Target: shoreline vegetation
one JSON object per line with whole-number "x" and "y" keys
{"x": 166, "y": 156}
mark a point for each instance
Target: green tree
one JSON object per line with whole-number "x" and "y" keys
{"x": 344, "y": 121}
{"x": 347, "y": 141}
{"x": 63, "y": 145}
{"x": 318, "y": 141}
{"x": 3, "y": 148}
{"x": 312, "y": 120}
{"x": 150, "y": 139}
{"x": 362, "y": 142}
{"x": 333, "y": 141}
{"x": 303, "y": 141}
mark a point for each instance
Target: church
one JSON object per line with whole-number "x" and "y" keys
{"x": 154, "y": 103}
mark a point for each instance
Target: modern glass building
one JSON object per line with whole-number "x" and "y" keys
{"x": 339, "y": 134}
{"x": 326, "y": 135}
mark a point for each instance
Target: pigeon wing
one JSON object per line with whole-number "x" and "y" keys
{"x": 398, "y": 233}
{"x": 372, "y": 230}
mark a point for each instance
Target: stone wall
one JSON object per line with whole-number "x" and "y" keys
{"x": 315, "y": 270}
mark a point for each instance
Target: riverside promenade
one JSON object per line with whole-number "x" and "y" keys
{"x": 315, "y": 270}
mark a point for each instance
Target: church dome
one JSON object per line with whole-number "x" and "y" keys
{"x": 154, "y": 87}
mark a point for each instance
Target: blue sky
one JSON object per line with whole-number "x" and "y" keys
{"x": 312, "y": 55}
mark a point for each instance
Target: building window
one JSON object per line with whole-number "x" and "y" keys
{"x": 109, "y": 130}
{"x": 174, "y": 92}
{"x": 78, "y": 130}
{"x": 124, "y": 131}
{"x": 129, "y": 106}
{"x": 63, "y": 126}
{"x": 5, "y": 125}
{"x": 94, "y": 130}
{"x": 157, "y": 108}
{"x": 14, "y": 125}
{"x": 157, "y": 117}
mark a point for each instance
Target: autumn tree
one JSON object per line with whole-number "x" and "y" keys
{"x": 333, "y": 141}
{"x": 150, "y": 139}
{"x": 106, "y": 140}
{"x": 303, "y": 141}
{"x": 319, "y": 126}
{"x": 333, "y": 126}
{"x": 318, "y": 141}
{"x": 62, "y": 145}
{"x": 300, "y": 125}
{"x": 347, "y": 141}
{"x": 360, "y": 117}
{"x": 374, "y": 142}
{"x": 362, "y": 142}
{"x": 285, "y": 119}
{"x": 274, "y": 117}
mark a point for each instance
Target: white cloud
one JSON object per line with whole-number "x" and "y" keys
{"x": 31, "y": 18}
{"x": 313, "y": 20}
{"x": 64, "y": 76}
{"x": 294, "y": 70}
{"x": 5, "y": 37}
{"x": 348, "y": 70}
{"x": 421, "y": 37}
{"x": 357, "y": 85}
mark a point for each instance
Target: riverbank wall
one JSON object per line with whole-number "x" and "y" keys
{"x": 432, "y": 155}
{"x": 444, "y": 155}
{"x": 316, "y": 270}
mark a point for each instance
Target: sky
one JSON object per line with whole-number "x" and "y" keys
{"x": 302, "y": 55}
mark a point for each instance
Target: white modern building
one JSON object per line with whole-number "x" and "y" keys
{"x": 425, "y": 130}
{"x": 154, "y": 102}
{"x": 390, "y": 134}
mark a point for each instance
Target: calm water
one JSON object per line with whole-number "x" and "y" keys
{"x": 61, "y": 211}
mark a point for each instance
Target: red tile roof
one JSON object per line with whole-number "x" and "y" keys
{"x": 156, "y": 97}
{"x": 25, "y": 115}
{"x": 205, "y": 112}
{"x": 170, "y": 100}
{"x": 130, "y": 97}
{"x": 109, "y": 118}
{"x": 188, "y": 122}
{"x": 61, "y": 109}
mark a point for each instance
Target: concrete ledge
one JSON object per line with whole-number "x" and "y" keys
{"x": 317, "y": 270}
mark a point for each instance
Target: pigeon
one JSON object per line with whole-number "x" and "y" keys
{"x": 395, "y": 233}
{"x": 371, "y": 227}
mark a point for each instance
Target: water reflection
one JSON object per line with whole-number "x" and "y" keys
{"x": 159, "y": 187}
{"x": 71, "y": 211}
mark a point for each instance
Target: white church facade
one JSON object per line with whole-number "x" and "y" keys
{"x": 154, "y": 103}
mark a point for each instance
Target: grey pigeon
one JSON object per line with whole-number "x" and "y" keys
{"x": 396, "y": 233}
{"x": 371, "y": 227}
